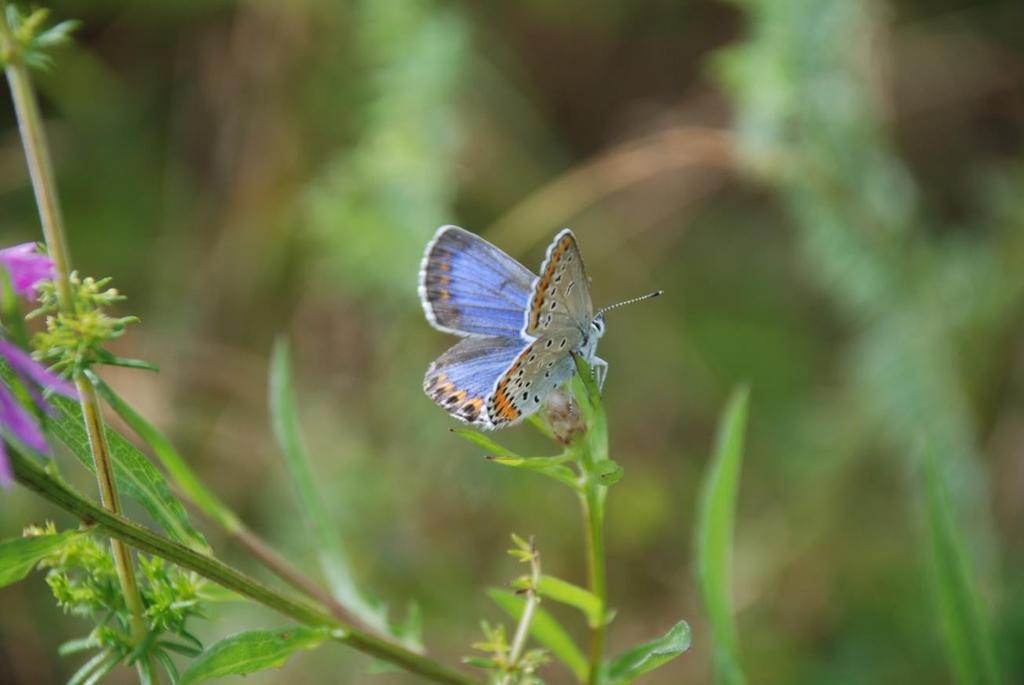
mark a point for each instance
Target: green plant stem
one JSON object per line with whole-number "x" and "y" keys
{"x": 592, "y": 451}
{"x": 40, "y": 166}
{"x": 108, "y": 496}
{"x": 37, "y": 154}
{"x": 592, "y": 507}
{"x": 32, "y": 476}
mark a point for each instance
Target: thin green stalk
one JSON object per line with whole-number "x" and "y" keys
{"x": 34, "y": 477}
{"x": 592, "y": 449}
{"x": 40, "y": 165}
{"x": 515, "y": 652}
{"x": 592, "y": 507}
{"x": 37, "y": 154}
{"x": 109, "y": 498}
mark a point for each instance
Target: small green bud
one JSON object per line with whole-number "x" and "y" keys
{"x": 73, "y": 341}
{"x": 29, "y": 43}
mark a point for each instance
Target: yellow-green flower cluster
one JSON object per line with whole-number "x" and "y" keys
{"x": 73, "y": 341}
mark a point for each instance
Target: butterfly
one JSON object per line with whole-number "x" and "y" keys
{"x": 519, "y": 330}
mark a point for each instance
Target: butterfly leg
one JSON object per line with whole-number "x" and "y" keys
{"x": 600, "y": 369}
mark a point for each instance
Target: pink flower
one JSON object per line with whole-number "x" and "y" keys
{"x": 26, "y": 267}
{"x": 16, "y": 422}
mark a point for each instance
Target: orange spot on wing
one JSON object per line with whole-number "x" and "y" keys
{"x": 502, "y": 403}
{"x": 505, "y": 408}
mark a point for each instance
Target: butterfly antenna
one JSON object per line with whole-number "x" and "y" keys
{"x": 648, "y": 296}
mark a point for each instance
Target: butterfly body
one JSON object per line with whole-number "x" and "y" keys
{"x": 519, "y": 330}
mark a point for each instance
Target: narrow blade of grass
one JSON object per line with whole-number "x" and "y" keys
{"x": 968, "y": 642}
{"x": 715, "y": 522}
{"x": 285, "y": 422}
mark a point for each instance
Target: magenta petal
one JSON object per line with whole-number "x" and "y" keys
{"x": 19, "y": 424}
{"x": 26, "y": 267}
{"x": 28, "y": 368}
{"x": 6, "y": 475}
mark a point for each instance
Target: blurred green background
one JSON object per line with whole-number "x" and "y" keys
{"x": 829, "y": 191}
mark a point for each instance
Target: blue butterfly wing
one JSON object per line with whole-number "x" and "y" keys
{"x": 462, "y": 379}
{"x": 470, "y": 287}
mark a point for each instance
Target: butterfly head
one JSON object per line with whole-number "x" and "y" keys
{"x": 597, "y": 325}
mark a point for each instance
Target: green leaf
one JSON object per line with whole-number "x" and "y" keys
{"x": 20, "y": 555}
{"x": 552, "y": 467}
{"x": 100, "y": 663}
{"x": 58, "y": 34}
{"x": 105, "y": 670}
{"x": 169, "y": 667}
{"x": 546, "y": 630}
{"x": 284, "y": 417}
{"x": 136, "y": 476}
{"x": 10, "y": 308}
{"x": 715, "y": 521}
{"x": 646, "y": 657}
{"x": 410, "y": 631}
{"x": 967, "y": 639}
{"x": 81, "y": 644}
{"x": 144, "y": 668}
{"x": 187, "y": 650}
{"x": 105, "y": 357}
{"x": 480, "y": 662}
{"x": 251, "y": 651}
{"x": 588, "y": 397}
{"x": 482, "y": 441}
{"x": 567, "y": 593}
{"x": 608, "y": 472}
{"x": 179, "y": 470}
